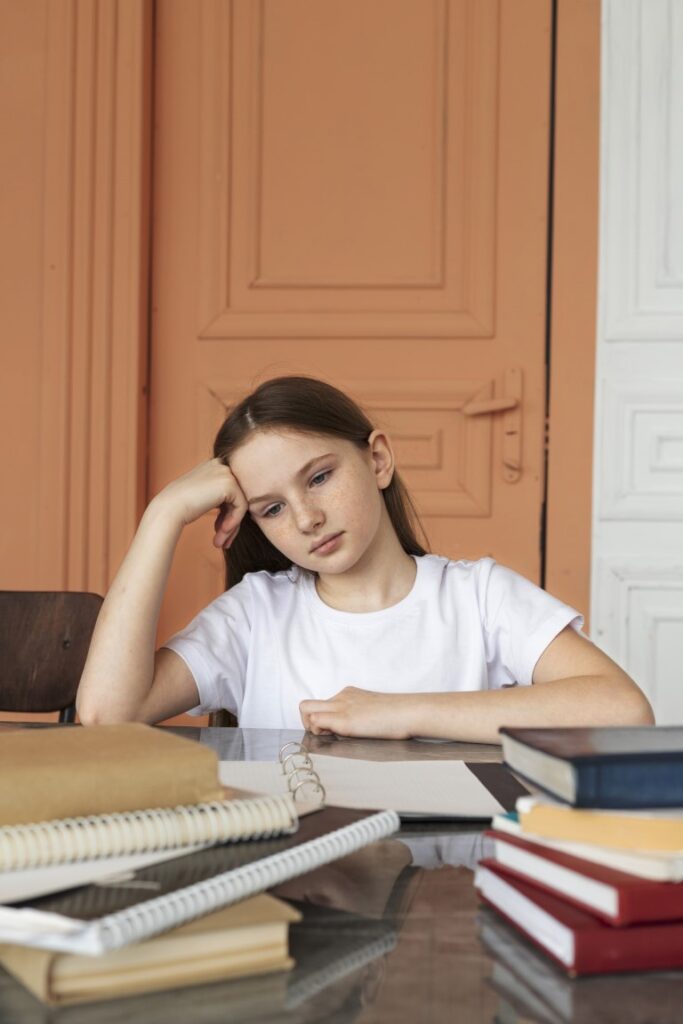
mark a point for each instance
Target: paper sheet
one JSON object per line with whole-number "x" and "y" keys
{"x": 31, "y": 883}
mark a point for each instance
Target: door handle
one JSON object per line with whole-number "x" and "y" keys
{"x": 511, "y": 405}
{"x": 489, "y": 405}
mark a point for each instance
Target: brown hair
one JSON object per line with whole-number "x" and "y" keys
{"x": 311, "y": 406}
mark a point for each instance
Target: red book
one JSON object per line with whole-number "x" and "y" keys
{"x": 614, "y": 896}
{"x": 574, "y": 939}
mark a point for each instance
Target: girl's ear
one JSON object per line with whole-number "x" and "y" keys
{"x": 382, "y": 456}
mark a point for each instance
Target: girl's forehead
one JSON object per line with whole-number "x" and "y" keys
{"x": 281, "y": 454}
{"x": 287, "y": 442}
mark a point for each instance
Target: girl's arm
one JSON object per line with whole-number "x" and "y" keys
{"x": 123, "y": 678}
{"x": 575, "y": 684}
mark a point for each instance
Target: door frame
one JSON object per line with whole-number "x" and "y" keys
{"x": 573, "y": 287}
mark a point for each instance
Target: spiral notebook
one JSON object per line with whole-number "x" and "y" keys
{"x": 99, "y": 918}
{"x": 47, "y": 856}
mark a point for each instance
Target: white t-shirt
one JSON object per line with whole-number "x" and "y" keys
{"x": 270, "y": 642}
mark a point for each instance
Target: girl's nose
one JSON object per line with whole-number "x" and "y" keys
{"x": 308, "y": 517}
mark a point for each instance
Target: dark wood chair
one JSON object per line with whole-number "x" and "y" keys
{"x": 44, "y": 640}
{"x": 223, "y": 718}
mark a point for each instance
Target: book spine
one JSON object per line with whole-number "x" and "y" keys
{"x": 629, "y": 784}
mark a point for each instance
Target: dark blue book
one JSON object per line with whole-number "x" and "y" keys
{"x": 627, "y": 768}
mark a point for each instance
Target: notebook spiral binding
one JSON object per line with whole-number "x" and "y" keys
{"x": 110, "y": 835}
{"x": 172, "y": 909}
{"x": 303, "y": 780}
{"x": 300, "y": 991}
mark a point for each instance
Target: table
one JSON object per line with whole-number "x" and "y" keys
{"x": 383, "y": 940}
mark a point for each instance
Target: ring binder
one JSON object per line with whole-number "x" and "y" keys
{"x": 308, "y": 785}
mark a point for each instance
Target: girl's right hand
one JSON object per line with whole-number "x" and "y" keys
{"x": 209, "y": 485}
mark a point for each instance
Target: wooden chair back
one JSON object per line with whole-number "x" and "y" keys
{"x": 222, "y": 718}
{"x": 44, "y": 640}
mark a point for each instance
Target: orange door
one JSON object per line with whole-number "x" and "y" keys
{"x": 358, "y": 189}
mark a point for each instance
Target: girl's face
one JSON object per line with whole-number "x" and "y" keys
{"x": 316, "y": 497}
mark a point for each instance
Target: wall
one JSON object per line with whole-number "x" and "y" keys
{"x": 637, "y": 570}
{"x": 75, "y": 130}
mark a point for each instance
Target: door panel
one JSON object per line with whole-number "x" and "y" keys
{"x": 357, "y": 189}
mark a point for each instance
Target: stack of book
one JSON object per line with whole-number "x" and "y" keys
{"x": 126, "y": 866}
{"x": 591, "y": 870}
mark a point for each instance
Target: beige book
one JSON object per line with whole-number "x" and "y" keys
{"x": 656, "y": 830}
{"x": 250, "y": 937}
{"x": 70, "y": 772}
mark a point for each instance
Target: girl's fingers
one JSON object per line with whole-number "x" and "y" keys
{"x": 223, "y": 537}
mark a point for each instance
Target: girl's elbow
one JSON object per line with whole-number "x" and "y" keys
{"x": 638, "y": 710}
{"x": 92, "y": 713}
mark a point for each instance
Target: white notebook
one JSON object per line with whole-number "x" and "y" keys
{"x": 430, "y": 788}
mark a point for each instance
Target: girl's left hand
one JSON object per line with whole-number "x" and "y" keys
{"x": 362, "y": 713}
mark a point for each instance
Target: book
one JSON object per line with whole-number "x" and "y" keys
{"x": 97, "y": 919}
{"x": 100, "y": 769}
{"x": 614, "y": 896}
{"x": 663, "y": 867}
{"x": 635, "y": 767}
{"x": 654, "y": 830}
{"x": 434, "y": 789}
{"x": 535, "y": 989}
{"x": 573, "y": 938}
{"x": 248, "y": 938}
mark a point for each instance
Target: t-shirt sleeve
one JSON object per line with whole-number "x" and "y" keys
{"x": 520, "y": 620}
{"x": 215, "y": 647}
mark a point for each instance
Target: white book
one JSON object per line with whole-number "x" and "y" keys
{"x": 661, "y": 867}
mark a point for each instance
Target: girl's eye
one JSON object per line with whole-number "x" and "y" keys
{"x": 274, "y": 510}
{"x": 321, "y": 477}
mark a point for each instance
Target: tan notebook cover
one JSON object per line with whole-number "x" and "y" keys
{"x": 247, "y": 938}
{"x": 62, "y": 773}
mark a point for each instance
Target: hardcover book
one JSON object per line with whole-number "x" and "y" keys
{"x": 654, "y": 830}
{"x": 573, "y": 938}
{"x": 248, "y": 938}
{"x": 532, "y": 988}
{"x": 614, "y": 896}
{"x": 640, "y": 766}
{"x": 661, "y": 867}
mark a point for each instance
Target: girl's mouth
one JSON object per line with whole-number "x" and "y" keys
{"x": 328, "y": 545}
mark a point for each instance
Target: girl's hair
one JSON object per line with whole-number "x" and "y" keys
{"x": 311, "y": 406}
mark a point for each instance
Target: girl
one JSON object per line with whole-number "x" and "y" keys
{"x": 335, "y": 616}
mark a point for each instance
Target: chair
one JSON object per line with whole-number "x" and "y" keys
{"x": 223, "y": 718}
{"x": 44, "y": 640}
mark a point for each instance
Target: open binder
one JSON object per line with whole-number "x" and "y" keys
{"x": 430, "y": 788}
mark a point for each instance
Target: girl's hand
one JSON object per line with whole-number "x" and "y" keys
{"x": 356, "y": 712}
{"x": 209, "y": 485}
